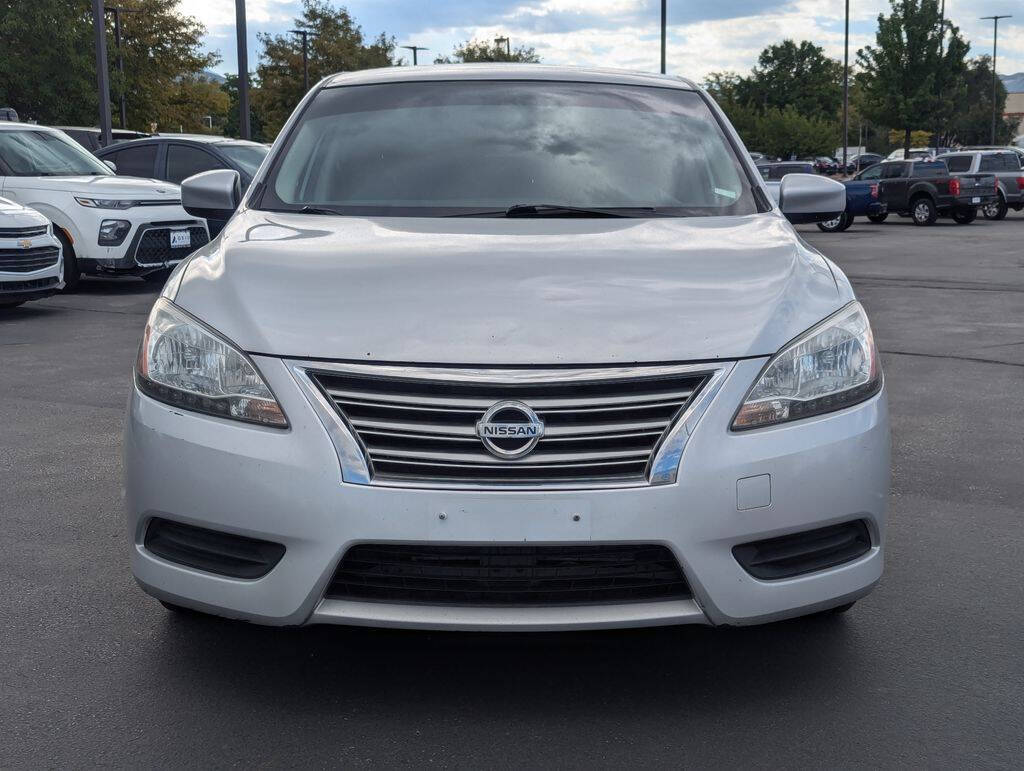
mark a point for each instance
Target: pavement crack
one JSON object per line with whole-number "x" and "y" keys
{"x": 954, "y": 357}
{"x": 954, "y": 286}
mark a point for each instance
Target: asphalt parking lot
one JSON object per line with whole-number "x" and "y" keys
{"x": 927, "y": 671}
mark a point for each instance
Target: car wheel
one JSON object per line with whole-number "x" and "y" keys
{"x": 923, "y": 211}
{"x": 965, "y": 216}
{"x": 997, "y": 210}
{"x": 72, "y": 275}
{"x": 878, "y": 219}
{"x": 833, "y": 225}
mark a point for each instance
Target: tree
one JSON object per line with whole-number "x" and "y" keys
{"x": 971, "y": 124}
{"x": 336, "y": 44}
{"x": 913, "y": 77}
{"x": 794, "y": 75}
{"x": 231, "y": 125}
{"x": 482, "y": 51}
{"x": 48, "y": 68}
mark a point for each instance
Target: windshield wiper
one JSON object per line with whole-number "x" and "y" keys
{"x": 320, "y": 210}
{"x": 558, "y": 210}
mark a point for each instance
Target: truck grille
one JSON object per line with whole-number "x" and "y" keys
{"x": 154, "y": 245}
{"x": 601, "y": 430}
{"x": 27, "y": 260}
{"x": 508, "y": 575}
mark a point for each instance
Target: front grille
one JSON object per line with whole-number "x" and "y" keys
{"x": 28, "y": 286}
{"x": 595, "y": 431}
{"x": 29, "y": 232}
{"x": 806, "y": 552}
{"x": 508, "y": 575}
{"x": 27, "y": 260}
{"x": 212, "y": 550}
{"x": 154, "y": 246}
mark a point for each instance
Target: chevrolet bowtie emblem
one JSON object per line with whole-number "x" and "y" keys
{"x": 24, "y": 243}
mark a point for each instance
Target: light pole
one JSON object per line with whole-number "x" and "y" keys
{"x": 122, "y": 104}
{"x": 508, "y": 45}
{"x": 414, "y": 49}
{"x": 995, "y": 77}
{"x": 243, "y": 71}
{"x": 102, "y": 80}
{"x": 664, "y": 15}
{"x": 846, "y": 88}
{"x": 305, "y": 55}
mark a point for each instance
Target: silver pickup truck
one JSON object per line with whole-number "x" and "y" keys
{"x": 1005, "y": 165}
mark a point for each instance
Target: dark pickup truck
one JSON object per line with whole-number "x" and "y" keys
{"x": 925, "y": 190}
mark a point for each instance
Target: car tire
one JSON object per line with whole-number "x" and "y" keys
{"x": 997, "y": 210}
{"x": 923, "y": 211}
{"x": 837, "y": 225}
{"x": 878, "y": 219}
{"x": 964, "y": 216}
{"x": 72, "y": 275}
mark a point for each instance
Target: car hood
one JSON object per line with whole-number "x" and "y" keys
{"x": 498, "y": 291}
{"x": 14, "y": 215}
{"x": 102, "y": 186}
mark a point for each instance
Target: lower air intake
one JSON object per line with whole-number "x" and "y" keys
{"x": 806, "y": 552}
{"x": 212, "y": 550}
{"x": 508, "y": 575}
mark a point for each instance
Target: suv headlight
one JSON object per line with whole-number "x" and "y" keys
{"x": 831, "y": 366}
{"x": 184, "y": 363}
{"x": 106, "y": 203}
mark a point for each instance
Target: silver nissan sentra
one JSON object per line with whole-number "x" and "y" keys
{"x": 507, "y": 348}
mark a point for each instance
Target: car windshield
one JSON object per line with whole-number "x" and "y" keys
{"x": 248, "y": 157}
{"x": 46, "y": 154}
{"x": 480, "y": 147}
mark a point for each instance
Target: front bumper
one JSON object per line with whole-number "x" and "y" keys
{"x": 285, "y": 486}
{"x": 145, "y": 249}
{"x": 18, "y": 286}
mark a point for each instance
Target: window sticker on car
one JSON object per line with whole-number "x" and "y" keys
{"x": 727, "y": 193}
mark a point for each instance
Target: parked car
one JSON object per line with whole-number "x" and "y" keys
{"x": 858, "y": 163}
{"x": 30, "y": 256}
{"x": 776, "y": 171}
{"x": 106, "y": 224}
{"x": 862, "y": 200}
{"x": 1005, "y": 165}
{"x": 91, "y": 138}
{"x": 485, "y": 367}
{"x": 919, "y": 153}
{"x": 173, "y": 157}
{"x": 925, "y": 190}
{"x": 8, "y": 113}
{"x": 826, "y": 165}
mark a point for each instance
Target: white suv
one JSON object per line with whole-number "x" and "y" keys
{"x": 30, "y": 260}
{"x": 106, "y": 223}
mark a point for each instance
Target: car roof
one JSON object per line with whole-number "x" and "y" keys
{"x": 209, "y": 139}
{"x": 199, "y": 139}
{"x": 15, "y": 126}
{"x": 505, "y": 71}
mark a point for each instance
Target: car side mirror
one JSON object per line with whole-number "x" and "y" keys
{"x": 111, "y": 165}
{"x": 811, "y": 198}
{"x": 212, "y": 194}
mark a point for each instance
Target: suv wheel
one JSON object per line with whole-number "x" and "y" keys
{"x": 923, "y": 211}
{"x": 964, "y": 216}
{"x": 72, "y": 275}
{"x": 997, "y": 210}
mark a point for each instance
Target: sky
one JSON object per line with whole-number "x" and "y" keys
{"x": 703, "y": 35}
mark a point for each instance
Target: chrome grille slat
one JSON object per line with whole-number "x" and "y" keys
{"x": 600, "y": 427}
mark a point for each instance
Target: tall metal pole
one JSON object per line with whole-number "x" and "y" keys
{"x": 120, "y": 64}
{"x": 414, "y": 49}
{"x": 664, "y": 14}
{"x": 102, "y": 80}
{"x": 305, "y": 57}
{"x": 846, "y": 88}
{"x": 938, "y": 74}
{"x": 995, "y": 77}
{"x": 243, "y": 71}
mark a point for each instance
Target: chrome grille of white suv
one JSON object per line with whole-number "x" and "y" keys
{"x": 419, "y": 425}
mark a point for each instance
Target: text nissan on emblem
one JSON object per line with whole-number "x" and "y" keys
{"x": 510, "y": 430}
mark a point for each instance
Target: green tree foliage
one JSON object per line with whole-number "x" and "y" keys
{"x": 971, "y": 124}
{"x": 336, "y": 44}
{"x": 794, "y": 75}
{"x": 482, "y": 51}
{"x": 913, "y": 78}
{"x": 48, "y": 72}
{"x": 231, "y": 129}
{"x": 784, "y": 132}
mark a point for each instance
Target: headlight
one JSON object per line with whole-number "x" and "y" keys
{"x": 113, "y": 232}
{"x": 106, "y": 203}
{"x": 185, "y": 363}
{"x": 831, "y": 366}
